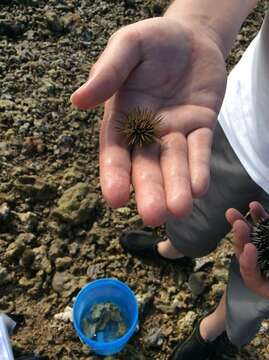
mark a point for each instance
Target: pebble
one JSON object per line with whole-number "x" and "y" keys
{"x": 144, "y": 302}
{"x": 5, "y": 212}
{"x": 54, "y": 22}
{"x": 77, "y": 205}
{"x": 63, "y": 263}
{"x": 4, "y": 276}
{"x": 65, "y": 316}
{"x": 11, "y": 29}
{"x": 154, "y": 339}
{"x": 65, "y": 283}
{"x": 197, "y": 283}
{"x": 27, "y": 258}
{"x": 57, "y": 249}
{"x": 124, "y": 211}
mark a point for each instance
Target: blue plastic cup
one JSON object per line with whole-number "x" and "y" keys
{"x": 101, "y": 291}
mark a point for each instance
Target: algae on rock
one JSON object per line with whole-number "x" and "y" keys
{"x": 77, "y": 205}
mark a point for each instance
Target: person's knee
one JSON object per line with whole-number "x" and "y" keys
{"x": 199, "y": 250}
{"x": 194, "y": 249}
{"x": 192, "y": 240}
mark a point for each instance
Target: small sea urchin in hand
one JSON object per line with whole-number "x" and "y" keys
{"x": 140, "y": 127}
{"x": 260, "y": 238}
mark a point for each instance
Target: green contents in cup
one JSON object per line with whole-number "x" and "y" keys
{"x": 104, "y": 322}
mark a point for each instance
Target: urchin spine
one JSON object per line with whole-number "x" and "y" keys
{"x": 140, "y": 127}
{"x": 260, "y": 238}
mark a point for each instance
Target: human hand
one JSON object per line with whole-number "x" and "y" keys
{"x": 180, "y": 74}
{"x": 246, "y": 252}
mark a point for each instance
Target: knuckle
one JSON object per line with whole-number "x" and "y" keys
{"x": 124, "y": 34}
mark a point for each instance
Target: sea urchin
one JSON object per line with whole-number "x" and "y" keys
{"x": 260, "y": 238}
{"x": 140, "y": 126}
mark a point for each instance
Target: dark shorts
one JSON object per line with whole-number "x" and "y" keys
{"x": 200, "y": 233}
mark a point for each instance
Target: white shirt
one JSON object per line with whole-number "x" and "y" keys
{"x": 244, "y": 115}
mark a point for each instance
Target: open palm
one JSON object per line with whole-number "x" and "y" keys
{"x": 159, "y": 65}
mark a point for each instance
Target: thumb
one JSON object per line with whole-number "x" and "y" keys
{"x": 111, "y": 70}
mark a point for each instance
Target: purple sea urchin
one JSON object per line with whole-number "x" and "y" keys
{"x": 140, "y": 126}
{"x": 260, "y": 238}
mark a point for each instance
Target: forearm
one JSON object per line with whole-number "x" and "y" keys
{"x": 220, "y": 19}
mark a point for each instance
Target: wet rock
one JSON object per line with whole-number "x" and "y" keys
{"x": 77, "y": 205}
{"x": 197, "y": 283}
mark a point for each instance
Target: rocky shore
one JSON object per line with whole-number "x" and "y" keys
{"x": 56, "y": 232}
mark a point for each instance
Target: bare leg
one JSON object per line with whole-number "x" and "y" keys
{"x": 214, "y": 324}
{"x": 166, "y": 249}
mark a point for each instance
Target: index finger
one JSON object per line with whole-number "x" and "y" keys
{"x": 113, "y": 67}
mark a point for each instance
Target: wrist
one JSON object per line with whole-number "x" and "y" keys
{"x": 218, "y": 21}
{"x": 198, "y": 27}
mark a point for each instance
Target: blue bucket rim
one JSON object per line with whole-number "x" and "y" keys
{"x": 123, "y": 339}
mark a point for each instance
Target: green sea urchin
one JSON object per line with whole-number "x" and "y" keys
{"x": 260, "y": 238}
{"x": 140, "y": 127}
